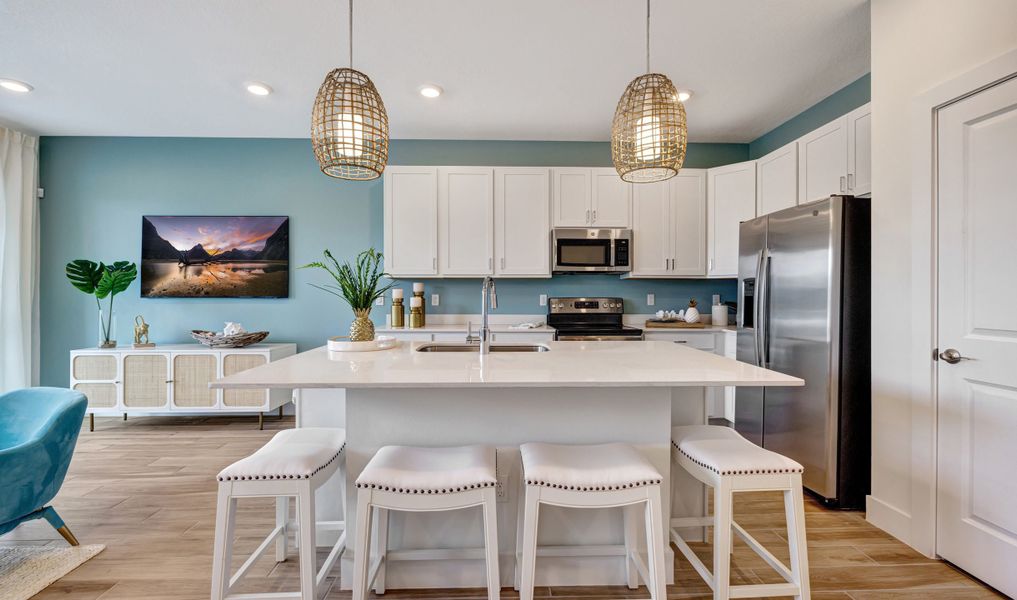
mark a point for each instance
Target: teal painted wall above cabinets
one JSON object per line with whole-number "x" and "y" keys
{"x": 97, "y": 190}
{"x": 837, "y": 104}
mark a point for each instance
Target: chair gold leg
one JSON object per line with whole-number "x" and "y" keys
{"x": 66, "y": 533}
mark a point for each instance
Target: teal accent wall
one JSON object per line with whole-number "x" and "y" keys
{"x": 839, "y": 103}
{"x": 97, "y": 190}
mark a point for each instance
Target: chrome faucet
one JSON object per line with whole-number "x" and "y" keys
{"x": 488, "y": 301}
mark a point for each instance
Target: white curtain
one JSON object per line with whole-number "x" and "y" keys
{"x": 19, "y": 260}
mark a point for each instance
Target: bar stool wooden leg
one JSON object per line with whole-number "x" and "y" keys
{"x": 491, "y": 544}
{"x": 282, "y": 517}
{"x": 794, "y": 509}
{"x": 655, "y": 544}
{"x": 308, "y": 548}
{"x": 380, "y": 548}
{"x": 630, "y": 515}
{"x": 222, "y": 559}
{"x": 520, "y": 515}
{"x": 530, "y": 520}
{"x": 361, "y": 544}
{"x": 722, "y": 509}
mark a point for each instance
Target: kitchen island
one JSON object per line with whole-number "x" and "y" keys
{"x": 573, "y": 392}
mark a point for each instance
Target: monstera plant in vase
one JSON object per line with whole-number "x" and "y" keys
{"x": 359, "y": 284}
{"x": 102, "y": 281}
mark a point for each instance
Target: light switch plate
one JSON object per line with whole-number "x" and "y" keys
{"x": 380, "y": 301}
{"x": 435, "y": 299}
{"x": 543, "y": 299}
{"x": 650, "y": 299}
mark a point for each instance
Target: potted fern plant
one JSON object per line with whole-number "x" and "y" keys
{"x": 357, "y": 283}
{"x": 102, "y": 281}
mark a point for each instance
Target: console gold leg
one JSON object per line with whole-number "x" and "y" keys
{"x": 261, "y": 421}
{"x": 280, "y": 412}
{"x": 68, "y": 535}
{"x": 125, "y": 416}
{"x": 91, "y": 421}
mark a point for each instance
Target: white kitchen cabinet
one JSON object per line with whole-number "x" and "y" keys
{"x": 859, "y": 140}
{"x": 572, "y": 197}
{"x": 777, "y": 180}
{"x": 590, "y": 198}
{"x": 669, "y": 226}
{"x": 822, "y": 162}
{"x": 522, "y": 222}
{"x": 465, "y": 221}
{"x": 611, "y": 200}
{"x": 411, "y": 221}
{"x": 731, "y": 199}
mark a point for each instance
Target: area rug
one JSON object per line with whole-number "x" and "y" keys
{"x": 27, "y": 570}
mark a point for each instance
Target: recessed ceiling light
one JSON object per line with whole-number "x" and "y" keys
{"x": 430, "y": 90}
{"x": 684, "y": 95}
{"x": 15, "y": 86}
{"x": 259, "y": 89}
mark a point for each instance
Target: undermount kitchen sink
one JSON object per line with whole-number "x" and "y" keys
{"x": 476, "y": 348}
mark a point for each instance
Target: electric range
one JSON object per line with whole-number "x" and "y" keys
{"x": 590, "y": 319}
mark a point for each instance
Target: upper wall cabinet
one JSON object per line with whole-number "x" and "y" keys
{"x": 522, "y": 222}
{"x": 669, "y": 226}
{"x": 411, "y": 221}
{"x": 835, "y": 159}
{"x": 731, "y": 199}
{"x": 859, "y": 130}
{"x": 465, "y": 221}
{"x": 590, "y": 198}
{"x": 777, "y": 180}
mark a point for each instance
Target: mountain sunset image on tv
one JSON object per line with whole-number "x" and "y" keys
{"x": 205, "y": 257}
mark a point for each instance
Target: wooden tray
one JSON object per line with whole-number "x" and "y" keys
{"x": 654, "y": 324}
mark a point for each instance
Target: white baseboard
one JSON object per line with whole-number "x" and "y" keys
{"x": 889, "y": 518}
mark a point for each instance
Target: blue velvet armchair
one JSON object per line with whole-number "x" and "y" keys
{"x": 38, "y": 430}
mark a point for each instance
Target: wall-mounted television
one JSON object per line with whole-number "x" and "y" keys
{"x": 215, "y": 257}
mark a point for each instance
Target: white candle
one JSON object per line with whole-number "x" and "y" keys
{"x": 418, "y": 287}
{"x": 397, "y": 293}
{"x": 416, "y": 302}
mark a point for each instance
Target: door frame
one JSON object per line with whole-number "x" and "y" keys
{"x": 918, "y": 528}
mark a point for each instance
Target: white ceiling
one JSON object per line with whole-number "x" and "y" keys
{"x": 511, "y": 70}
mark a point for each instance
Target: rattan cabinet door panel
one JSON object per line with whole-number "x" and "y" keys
{"x": 94, "y": 367}
{"x": 145, "y": 380}
{"x": 100, "y": 395}
{"x": 191, "y": 376}
{"x": 235, "y": 363}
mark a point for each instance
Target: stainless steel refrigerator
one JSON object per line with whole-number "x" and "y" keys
{"x": 804, "y": 303}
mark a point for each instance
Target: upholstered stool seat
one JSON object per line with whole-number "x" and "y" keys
{"x": 725, "y": 452}
{"x": 587, "y": 468}
{"x": 594, "y": 476}
{"x": 416, "y": 479}
{"x": 294, "y": 463}
{"x": 721, "y": 458}
{"x": 290, "y": 454}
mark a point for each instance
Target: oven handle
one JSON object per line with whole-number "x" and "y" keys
{"x": 599, "y": 338}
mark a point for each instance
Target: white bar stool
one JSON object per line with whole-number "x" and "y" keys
{"x": 295, "y": 462}
{"x": 722, "y": 459}
{"x": 598, "y": 476}
{"x": 418, "y": 480}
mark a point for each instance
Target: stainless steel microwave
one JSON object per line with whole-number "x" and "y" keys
{"x": 578, "y": 250}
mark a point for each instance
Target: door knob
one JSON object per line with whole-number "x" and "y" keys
{"x": 952, "y": 356}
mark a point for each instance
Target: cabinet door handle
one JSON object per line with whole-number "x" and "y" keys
{"x": 503, "y": 263}
{"x": 587, "y": 215}
{"x": 490, "y": 264}
{"x": 711, "y": 265}
{"x": 434, "y": 263}
{"x": 169, "y": 381}
{"x": 851, "y": 181}
{"x": 842, "y": 183}
{"x": 681, "y": 341}
{"x": 594, "y": 215}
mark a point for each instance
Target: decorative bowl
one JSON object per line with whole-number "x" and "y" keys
{"x": 217, "y": 340}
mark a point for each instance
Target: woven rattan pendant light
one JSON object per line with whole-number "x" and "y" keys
{"x": 648, "y": 133}
{"x": 349, "y": 125}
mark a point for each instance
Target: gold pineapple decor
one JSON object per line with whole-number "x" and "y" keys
{"x": 358, "y": 283}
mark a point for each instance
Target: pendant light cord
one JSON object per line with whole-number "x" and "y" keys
{"x": 351, "y": 34}
{"x": 647, "y": 35}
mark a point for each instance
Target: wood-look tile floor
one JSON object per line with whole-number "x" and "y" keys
{"x": 146, "y": 489}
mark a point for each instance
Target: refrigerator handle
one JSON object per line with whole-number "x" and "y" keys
{"x": 763, "y": 307}
{"x": 757, "y": 324}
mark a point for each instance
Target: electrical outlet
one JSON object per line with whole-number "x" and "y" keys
{"x": 435, "y": 299}
{"x": 650, "y": 299}
{"x": 380, "y": 301}
{"x": 543, "y": 299}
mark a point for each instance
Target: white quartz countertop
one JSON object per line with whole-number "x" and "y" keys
{"x": 461, "y": 328}
{"x": 567, "y": 364}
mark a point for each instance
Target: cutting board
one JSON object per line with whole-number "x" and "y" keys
{"x": 654, "y": 324}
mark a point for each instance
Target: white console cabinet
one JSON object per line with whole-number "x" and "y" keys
{"x": 173, "y": 379}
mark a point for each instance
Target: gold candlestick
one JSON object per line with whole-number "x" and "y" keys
{"x": 398, "y": 313}
{"x": 416, "y": 317}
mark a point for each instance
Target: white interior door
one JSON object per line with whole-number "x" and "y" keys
{"x": 977, "y": 439}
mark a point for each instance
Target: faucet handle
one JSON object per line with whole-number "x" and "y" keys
{"x": 494, "y": 296}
